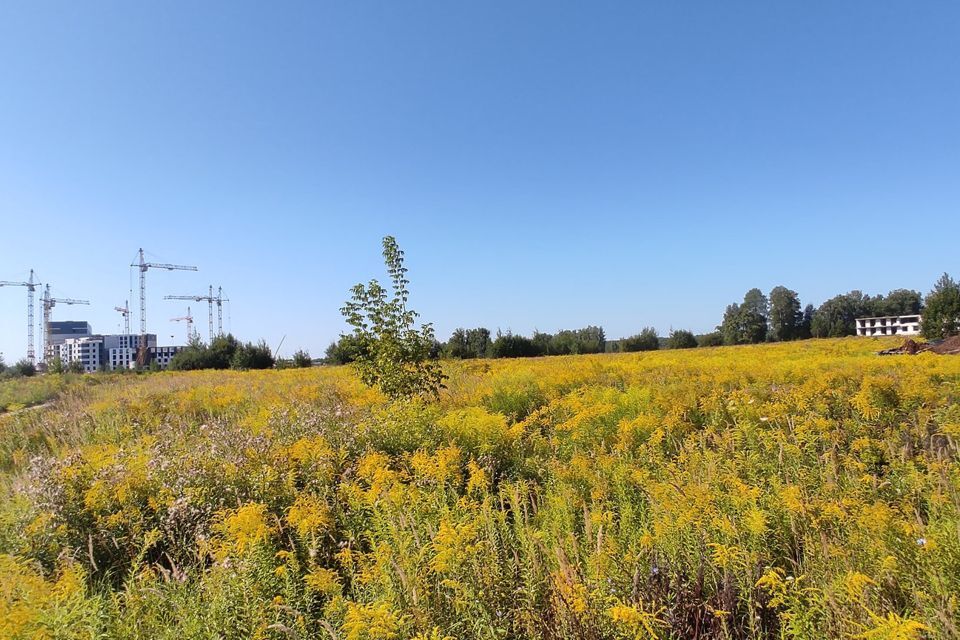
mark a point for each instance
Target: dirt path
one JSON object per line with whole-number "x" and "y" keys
{"x": 34, "y": 407}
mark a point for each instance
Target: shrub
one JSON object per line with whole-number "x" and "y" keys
{"x": 219, "y": 355}
{"x": 25, "y": 368}
{"x": 192, "y": 358}
{"x": 713, "y": 339}
{"x": 221, "y": 351}
{"x": 508, "y": 345}
{"x": 569, "y": 342}
{"x": 252, "y": 356}
{"x": 646, "y": 340}
{"x": 55, "y": 366}
{"x": 302, "y": 359}
{"x": 681, "y": 339}
{"x": 393, "y": 355}
{"x": 468, "y": 343}
{"x": 344, "y": 351}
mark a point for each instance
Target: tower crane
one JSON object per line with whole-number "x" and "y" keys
{"x": 142, "y": 265}
{"x": 48, "y": 304}
{"x": 189, "y": 319}
{"x": 31, "y": 288}
{"x": 210, "y": 300}
{"x": 125, "y": 312}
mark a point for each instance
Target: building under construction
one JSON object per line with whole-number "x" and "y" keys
{"x": 59, "y": 331}
{"x": 73, "y": 341}
{"x": 112, "y": 352}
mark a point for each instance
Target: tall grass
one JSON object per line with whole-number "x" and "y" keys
{"x": 806, "y": 490}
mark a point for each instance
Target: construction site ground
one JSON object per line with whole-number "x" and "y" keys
{"x": 947, "y": 347}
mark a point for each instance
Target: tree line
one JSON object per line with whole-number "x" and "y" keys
{"x": 465, "y": 344}
{"x": 772, "y": 317}
{"x": 779, "y": 317}
{"x": 226, "y": 352}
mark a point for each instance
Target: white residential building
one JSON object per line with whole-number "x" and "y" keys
{"x": 85, "y": 350}
{"x": 889, "y": 326}
{"x": 61, "y": 330}
{"x": 112, "y": 352}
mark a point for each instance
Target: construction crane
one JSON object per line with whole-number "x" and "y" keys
{"x": 31, "y": 288}
{"x": 210, "y": 299}
{"x": 189, "y": 320}
{"x": 48, "y": 304}
{"x": 143, "y": 265}
{"x": 125, "y": 312}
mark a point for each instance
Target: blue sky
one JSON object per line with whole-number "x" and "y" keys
{"x": 543, "y": 164}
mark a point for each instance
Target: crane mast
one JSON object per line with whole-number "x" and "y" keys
{"x": 220, "y": 301}
{"x": 49, "y": 303}
{"x": 125, "y": 312}
{"x": 142, "y": 265}
{"x": 189, "y": 320}
{"x": 31, "y": 286}
{"x": 210, "y": 313}
{"x": 210, "y": 299}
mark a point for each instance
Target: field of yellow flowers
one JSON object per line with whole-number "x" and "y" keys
{"x": 804, "y": 490}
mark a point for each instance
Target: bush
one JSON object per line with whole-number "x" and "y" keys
{"x": 508, "y": 345}
{"x": 681, "y": 339}
{"x": 713, "y": 339}
{"x": 344, "y": 351}
{"x": 221, "y": 351}
{"x": 394, "y": 355}
{"x": 192, "y": 358}
{"x": 25, "y": 368}
{"x": 569, "y": 342}
{"x": 56, "y": 366}
{"x": 252, "y": 356}
{"x": 219, "y": 355}
{"x": 468, "y": 343}
{"x": 541, "y": 342}
{"x": 302, "y": 359}
{"x": 646, "y": 340}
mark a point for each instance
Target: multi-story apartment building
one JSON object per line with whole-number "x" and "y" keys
{"x": 889, "y": 326}
{"x": 86, "y": 350}
{"x": 121, "y": 350}
{"x": 60, "y": 331}
{"x": 113, "y": 352}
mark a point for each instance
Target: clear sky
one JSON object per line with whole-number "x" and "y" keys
{"x": 543, "y": 164}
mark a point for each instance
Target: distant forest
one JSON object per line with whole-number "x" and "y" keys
{"x": 774, "y": 317}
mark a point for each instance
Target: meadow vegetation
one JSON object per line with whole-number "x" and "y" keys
{"x": 793, "y": 490}
{"x": 22, "y": 392}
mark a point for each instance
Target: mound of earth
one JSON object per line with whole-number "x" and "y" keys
{"x": 948, "y": 347}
